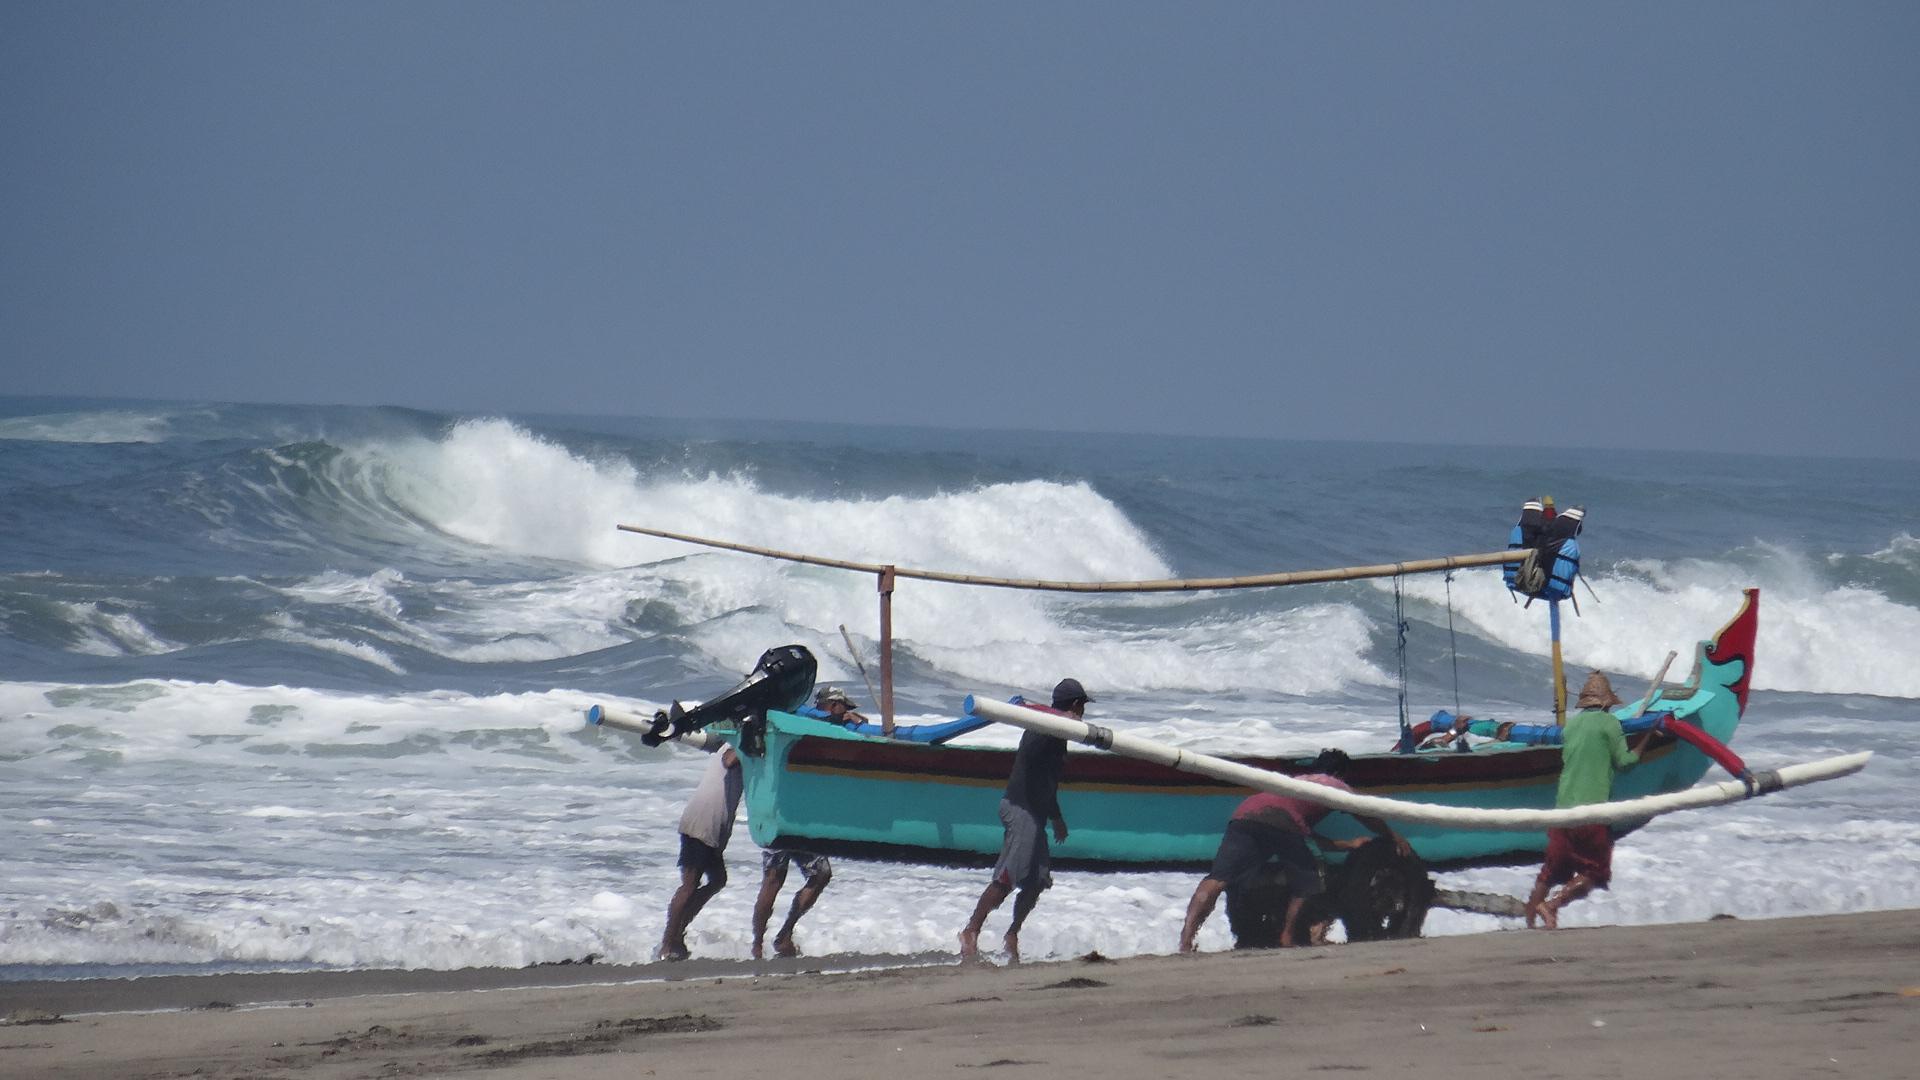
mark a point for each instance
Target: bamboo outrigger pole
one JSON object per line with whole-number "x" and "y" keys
{"x": 887, "y": 574}
{"x": 1252, "y": 581}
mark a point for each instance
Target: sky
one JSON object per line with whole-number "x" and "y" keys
{"x": 1684, "y": 227}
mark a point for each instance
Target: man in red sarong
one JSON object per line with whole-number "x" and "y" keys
{"x": 1592, "y": 749}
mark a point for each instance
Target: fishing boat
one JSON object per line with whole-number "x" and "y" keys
{"x": 817, "y": 786}
{"x": 814, "y": 785}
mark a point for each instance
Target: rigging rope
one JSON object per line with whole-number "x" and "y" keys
{"x": 1453, "y": 645}
{"x": 1400, "y": 628}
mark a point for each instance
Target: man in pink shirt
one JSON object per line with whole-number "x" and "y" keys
{"x": 1266, "y": 826}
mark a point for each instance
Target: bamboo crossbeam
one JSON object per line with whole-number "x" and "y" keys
{"x": 1252, "y": 581}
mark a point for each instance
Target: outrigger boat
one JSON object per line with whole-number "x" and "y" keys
{"x": 814, "y": 785}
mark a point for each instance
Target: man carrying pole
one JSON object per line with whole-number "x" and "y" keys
{"x": 1031, "y": 800}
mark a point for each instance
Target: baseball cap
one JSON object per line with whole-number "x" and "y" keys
{"x": 1068, "y": 691}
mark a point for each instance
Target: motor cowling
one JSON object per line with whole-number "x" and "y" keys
{"x": 782, "y": 679}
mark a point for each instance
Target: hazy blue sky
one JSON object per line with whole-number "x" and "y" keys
{"x": 1684, "y": 226}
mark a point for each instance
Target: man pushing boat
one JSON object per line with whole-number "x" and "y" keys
{"x": 1592, "y": 748}
{"x": 705, "y": 826}
{"x": 1270, "y": 827}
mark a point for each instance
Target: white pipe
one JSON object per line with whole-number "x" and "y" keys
{"x": 602, "y": 716}
{"x": 1064, "y": 727}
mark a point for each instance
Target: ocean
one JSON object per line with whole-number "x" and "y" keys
{"x": 290, "y": 687}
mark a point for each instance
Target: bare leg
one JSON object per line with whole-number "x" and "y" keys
{"x": 1022, "y": 906}
{"x": 1579, "y": 886}
{"x": 687, "y": 901}
{"x": 770, "y": 883}
{"x": 803, "y": 902}
{"x": 1539, "y": 897}
{"x": 990, "y": 898}
{"x": 1294, "y": 904}
{"x": 1205, "y": 895}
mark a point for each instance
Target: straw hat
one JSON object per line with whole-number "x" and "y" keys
{"x": 1598, "y": 693}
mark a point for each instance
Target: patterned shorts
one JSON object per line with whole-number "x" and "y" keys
{"x": 1025, "y": 860}
{"x": 810, "y": 864}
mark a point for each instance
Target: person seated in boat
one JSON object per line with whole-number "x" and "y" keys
{"x": 833, "y": 706}
{"x": 705, "y": 827}
{"x": 1592, "y": 749}
{"x": 1446, "y": 734}
{"x": 1032, "y": 798}
{"x": 1267, "y": 826}
{"x": 818, "y": 871}
{"x": 840, "y": 710}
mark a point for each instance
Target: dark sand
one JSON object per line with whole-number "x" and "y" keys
{"x": 1814, "y": 997}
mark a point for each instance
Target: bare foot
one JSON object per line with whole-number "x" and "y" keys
{"x": 1549, "y": 916}
{"x": 969, "y": 944}
{"x": 671, "y": 953}
{"x": 785, "y": 947}
{"x": 759, "y": 951}
{"x": 1012, "y": 942}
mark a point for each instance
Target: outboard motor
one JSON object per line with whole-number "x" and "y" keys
{"x": 783, "y": 679}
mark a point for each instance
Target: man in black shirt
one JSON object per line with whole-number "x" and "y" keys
{"x": 1031, "y": 800}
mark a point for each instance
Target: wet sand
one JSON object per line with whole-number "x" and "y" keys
{"x": 1826, "y": 996}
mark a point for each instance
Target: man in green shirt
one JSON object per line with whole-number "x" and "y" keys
{"x": 1592, "y": 749}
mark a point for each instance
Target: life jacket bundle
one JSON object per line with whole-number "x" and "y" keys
{"x": 1553, "y": 551}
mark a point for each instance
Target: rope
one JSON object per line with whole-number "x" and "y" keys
{"x": 1400, "y": 628}
{"x": 1453, "y": 645}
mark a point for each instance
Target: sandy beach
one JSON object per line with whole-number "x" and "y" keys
{"x": 1824, "y": 996}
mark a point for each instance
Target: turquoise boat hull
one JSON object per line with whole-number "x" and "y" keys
{"x": 811, "y": 785}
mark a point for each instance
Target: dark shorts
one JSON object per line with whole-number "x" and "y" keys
{"x": 811, "y": 865}
{"x": 703, "y": 858}
{"x": 1025, "y": 862}
{"x": 1248, "y": 846}
{"x": 1583, "y": 849}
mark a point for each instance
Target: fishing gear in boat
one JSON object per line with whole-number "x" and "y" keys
{"x": 1552, "y": 546}
{"x": 1549, "y": 567}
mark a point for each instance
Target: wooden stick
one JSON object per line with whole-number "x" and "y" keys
{"x": 1254, "y": 581}
{"x": 855, "y": 653}
{"x": 886, "y": 649}
{"x": 1653, "y": 688}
